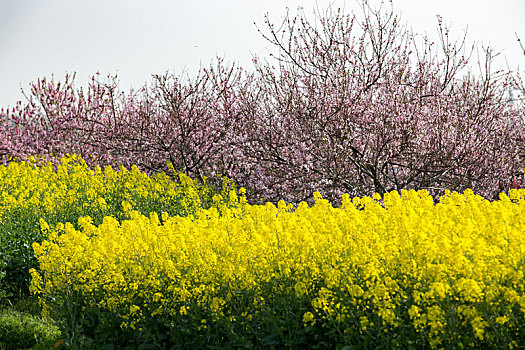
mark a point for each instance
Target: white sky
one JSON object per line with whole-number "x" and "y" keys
{"x": 135, "y": 38}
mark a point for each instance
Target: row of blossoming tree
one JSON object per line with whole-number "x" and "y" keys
{"x": 344, "y": 104}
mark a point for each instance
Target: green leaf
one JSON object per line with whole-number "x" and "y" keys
{"x": 271, "y": 340}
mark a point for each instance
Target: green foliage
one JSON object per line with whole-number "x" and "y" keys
{"x": 22, "y": 328}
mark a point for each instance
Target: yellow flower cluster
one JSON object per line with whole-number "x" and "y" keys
{"x": 66, "y": 189}
{"x": 374, "y": 263}
{"x": 70, "y": 188}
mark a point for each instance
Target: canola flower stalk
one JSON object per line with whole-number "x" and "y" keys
{"x": 449, "y": 271}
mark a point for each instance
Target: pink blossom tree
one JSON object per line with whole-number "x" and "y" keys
{"x": 187, "y": 123}
{"x": 344, "y": 105}
{"x": 377, "y": 111}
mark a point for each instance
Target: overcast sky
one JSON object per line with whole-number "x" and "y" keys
{"x": 135, "y": 39}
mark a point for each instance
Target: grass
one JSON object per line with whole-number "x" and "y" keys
{"x": 22, "y": 327}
